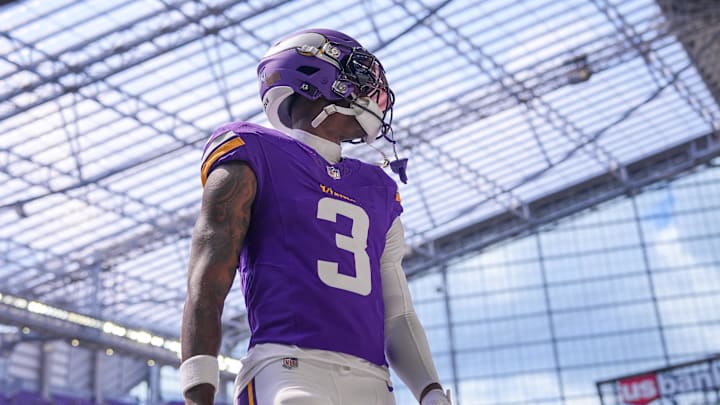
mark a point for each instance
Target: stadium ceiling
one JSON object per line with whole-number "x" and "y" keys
{"x": 501, "y": 105}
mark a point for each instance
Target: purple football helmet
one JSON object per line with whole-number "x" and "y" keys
{"x": 324, "y": 63}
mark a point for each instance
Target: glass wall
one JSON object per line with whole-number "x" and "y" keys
{"x": 633, "y": 284}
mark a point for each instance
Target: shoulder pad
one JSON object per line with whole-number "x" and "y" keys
{"x": 218, "y": 146}
{"x": 235, "y": 141}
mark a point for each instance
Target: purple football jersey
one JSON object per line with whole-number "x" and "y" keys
{"x": 310, "y": 265}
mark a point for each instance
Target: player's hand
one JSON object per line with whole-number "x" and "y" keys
{"x": 203, "y": 394}
{"x": 436, "y": 397}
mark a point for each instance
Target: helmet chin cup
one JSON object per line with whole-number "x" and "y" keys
{"x": 369, "y": 115}
{"x": 272, "y": 104}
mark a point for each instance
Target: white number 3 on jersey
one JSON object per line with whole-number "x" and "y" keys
{"x": 328, "y": 209}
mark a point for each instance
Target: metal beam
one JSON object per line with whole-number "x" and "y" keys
{"x": 228, "y": 36}
{"x": 91, "y": 337}
{"x": 33, "y": 65}
{"x": 60, "y": 329}
{"x": 664, "y": 165}
{"x": 234, "y": 331}
{"x": 476, "y": 56}
{"x": 490, "y": 102}
{"x": 541, "y": 83}
{"x": 660, "y": 72}
{"x": 605, "y": 56}
{"x": 68, "y": 274}
{"x": 126, "y": 55}
{"x": 137, "y": 99}
{"x": 704, "y": 17}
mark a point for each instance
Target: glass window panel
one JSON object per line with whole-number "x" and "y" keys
{"x": 465, "y": 282}
{"x": 502, "y": 332}
{"x": 431, "y": 313}
{"x": 496, "y": 304}
{"x": 558, "y": 242}
{"x": 563, "y": 268}
{"x": 689, "y": 310}
{"x": 521, "y": 249}
{"x": 599, "y": 292}
{"x": 628, "y": 260}
{"x": 610, "y": 347}
{"x": 471, "y": 308}
{"x": 673, "y": 253}
{"x": 495, "y": 276}
{"x": 426, "y": 287}
{"x": 601, "y": 321}
{"x": 693, "y": 341}
{"x": 443, "y": 363}
{"x": 687, "y": 280}
{"x": 438, "y": 338}
{"x": 505, "y": 360}
{"x": 523, "y": 388}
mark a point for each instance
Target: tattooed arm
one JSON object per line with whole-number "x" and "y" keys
{"x": 216, "y": 242}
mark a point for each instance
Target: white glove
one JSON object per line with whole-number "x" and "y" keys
{"x": 436, "y": 397}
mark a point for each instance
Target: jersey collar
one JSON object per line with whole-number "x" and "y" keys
{"x": 330, "y": 151}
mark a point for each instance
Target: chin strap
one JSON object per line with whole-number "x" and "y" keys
{"x": 398, "y": 166}
{"x": 329, "y": 110}
{"x": 366, "y": 112}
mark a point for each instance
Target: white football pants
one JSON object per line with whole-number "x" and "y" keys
{"x": 301, "y": 381}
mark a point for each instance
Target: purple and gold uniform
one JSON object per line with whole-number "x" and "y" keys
{"x": 310, "y": 265}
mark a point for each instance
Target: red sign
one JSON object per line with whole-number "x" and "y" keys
{"x": 639, "y": 390}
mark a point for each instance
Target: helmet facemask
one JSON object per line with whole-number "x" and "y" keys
{"x": 363, "y": 84}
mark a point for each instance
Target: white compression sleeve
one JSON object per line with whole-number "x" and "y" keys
{"x": 406, "y": 345}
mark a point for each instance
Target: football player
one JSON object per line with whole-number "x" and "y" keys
{"x": 315, "y": 237}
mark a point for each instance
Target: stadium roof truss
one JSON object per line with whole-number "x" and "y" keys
{"x": 513, "y": 114}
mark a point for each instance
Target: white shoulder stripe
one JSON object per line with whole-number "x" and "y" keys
{"x": 219, "y": 140}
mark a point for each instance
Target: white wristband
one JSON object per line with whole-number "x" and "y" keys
{"x": 437, "y": 397}
{"x": 200, "y": 369}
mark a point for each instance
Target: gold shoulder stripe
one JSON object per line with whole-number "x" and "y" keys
{"x": 217, "y": 154}
{"x": 397, "y": 197}
{"x": 209, "y": 148}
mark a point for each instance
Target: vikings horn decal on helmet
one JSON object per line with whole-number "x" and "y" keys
{"x": 325, "y": 63}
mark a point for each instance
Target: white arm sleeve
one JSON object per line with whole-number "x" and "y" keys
{"x": 406, "y": 345}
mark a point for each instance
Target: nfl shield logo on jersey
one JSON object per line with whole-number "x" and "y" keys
{"x": 290, "y": 363}
{"x": 333, "y": 172}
